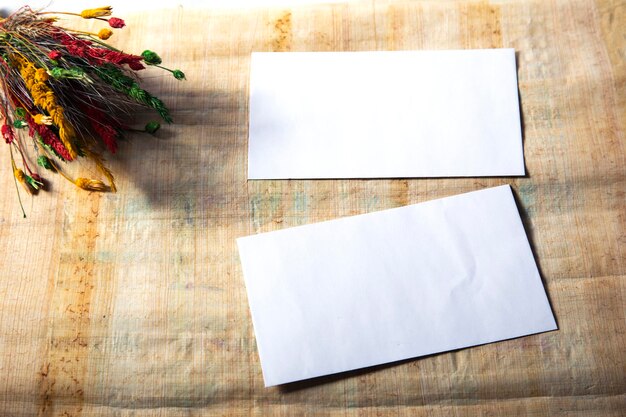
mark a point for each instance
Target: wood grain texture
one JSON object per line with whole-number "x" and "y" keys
{"x": 133, "y": 304}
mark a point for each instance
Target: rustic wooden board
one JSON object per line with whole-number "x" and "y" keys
{"x": 133, "y": 304}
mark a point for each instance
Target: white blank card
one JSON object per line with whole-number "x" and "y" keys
{"x": 391, "y": 285}
{"x": 384, "y": 114}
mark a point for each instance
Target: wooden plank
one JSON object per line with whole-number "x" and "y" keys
{"x": 134, "y": 303}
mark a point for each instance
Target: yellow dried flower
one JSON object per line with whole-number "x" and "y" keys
{"x": 100, "y": 164}
{"x": 44, "y": 97}
{"x": 41, "y": 75}
{"x": 42, "y": 119}
{"x": 91, "y": 185}
{"x": 105, "y": 33}
{"x": 98, "y": 12}
{"x": 21, "y": 178}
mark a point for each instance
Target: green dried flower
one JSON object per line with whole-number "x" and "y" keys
{"x": 75, "y": 73}
{"x": 151, "y": 57}
{"x": 19, "y": 124}
{"x": 44, "y": 162}
{"x": 152, "y": 127}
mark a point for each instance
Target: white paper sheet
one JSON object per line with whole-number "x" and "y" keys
{"x": 395, "y": 284}
{"x": 384, "y": 114}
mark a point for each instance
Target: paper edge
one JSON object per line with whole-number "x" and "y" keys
{"x": 394, "y": 362}
{"x": 269, "y": 382}
{"x": 373, "y": 212}
{"x": 519, "y": 171}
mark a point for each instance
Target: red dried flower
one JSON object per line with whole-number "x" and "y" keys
{"x": 116, "y": 23}
{"x": 134, "y": 65}
{"x": 102, "y": 127}
{"x": 49, "y": 138}
{"x": 96, "y": 55}
{"x": 7, "y": 133}
{"x": 54, "y": 55}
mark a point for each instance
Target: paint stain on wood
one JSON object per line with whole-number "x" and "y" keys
{"x": 395, "y": 28}
{"x": 282, "y": 33}
{"x": 267, "y": 206}
{"x": 399, "y": 192}
{"x": 481, "y": 25}
{"x": 63, "y": 373}
{"x": 407, "y": 28}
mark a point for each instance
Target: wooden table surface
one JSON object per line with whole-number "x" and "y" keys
{"x": 133, "y": 304}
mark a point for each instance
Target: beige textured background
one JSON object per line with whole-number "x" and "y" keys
{"x": 133, "y": 304}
